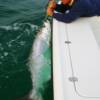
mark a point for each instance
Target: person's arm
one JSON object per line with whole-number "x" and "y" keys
{"x": 75, "y": 12}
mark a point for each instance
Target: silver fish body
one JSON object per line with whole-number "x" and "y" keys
{"x": 36, "y": 60}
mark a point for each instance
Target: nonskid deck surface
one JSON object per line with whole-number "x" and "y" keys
{"x": 76, "y": 60}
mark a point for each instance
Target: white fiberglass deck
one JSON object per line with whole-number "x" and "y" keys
{"x": 76, "y": 59}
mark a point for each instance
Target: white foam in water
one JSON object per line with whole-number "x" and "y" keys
{"x": 22, "y": 43}
{"x": 17, "y": 26}
{"x": 6, "y": 27}
{"x": 36, "y": 60}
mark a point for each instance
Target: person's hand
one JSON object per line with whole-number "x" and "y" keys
{"x": 51, "y": 7}
{"x": 50, "y": 11}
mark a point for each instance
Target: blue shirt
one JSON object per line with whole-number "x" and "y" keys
{"x": 80, "y": 8}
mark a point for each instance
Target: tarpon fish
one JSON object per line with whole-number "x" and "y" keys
{"x": 42, "y": 39}
{"x": 40, "y": 45}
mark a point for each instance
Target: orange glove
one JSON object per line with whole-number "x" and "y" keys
{"x": 69, "y": 2}
{"x": 65, "y": 1}
{"x": 51, "y": 7}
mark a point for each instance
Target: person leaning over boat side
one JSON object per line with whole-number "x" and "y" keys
{"x": 78, "y": 8}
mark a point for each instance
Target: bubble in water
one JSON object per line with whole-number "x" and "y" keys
{"x": 2, "y": 57}
{"x": 9, "y": 45}
{"x": 5, "y": 53}
{"x": 6, "y": 76}
{"x": 1, "y": 48}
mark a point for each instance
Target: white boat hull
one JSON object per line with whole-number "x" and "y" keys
{"x": 76, "y": 60}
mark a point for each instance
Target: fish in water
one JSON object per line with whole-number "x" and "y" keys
{"x": 40, "y": 45}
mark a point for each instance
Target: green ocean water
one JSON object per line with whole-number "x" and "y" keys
{"x": 19, "y": 22}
